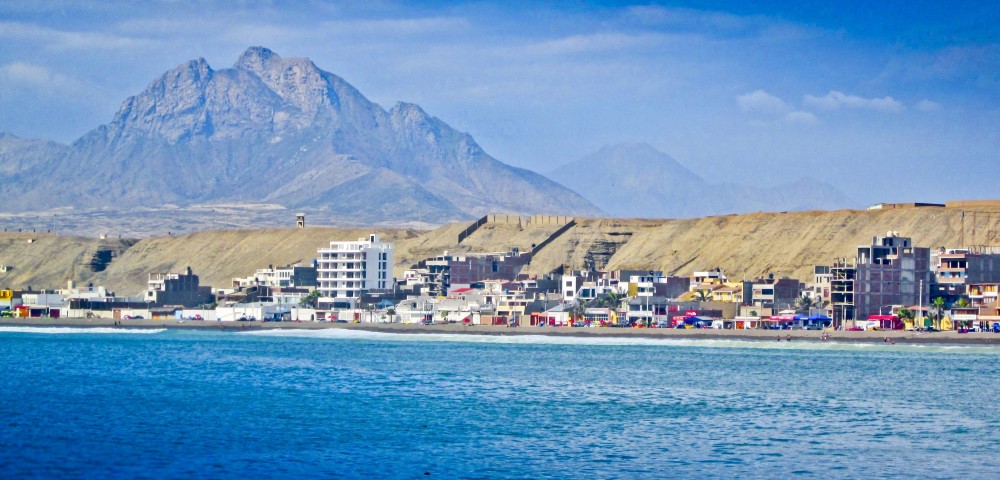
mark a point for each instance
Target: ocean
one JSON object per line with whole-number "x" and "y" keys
{"x": 112, "y": 403}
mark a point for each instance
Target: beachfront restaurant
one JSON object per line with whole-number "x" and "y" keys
{"x": 691, "y": 321}
{"x": 746, "y": 323}
{"x": 779, "y": 322}
{"x": 811, "y": 322}
{"x": 882, "y": 322}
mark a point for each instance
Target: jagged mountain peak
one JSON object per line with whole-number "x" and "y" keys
{"x": 196, "y": 72}
{"x": 256, "y": 59}
{"x": 298, "y": 81}
{"x": 267, "y": 64}
{"x": 281, "y": 130}
{"x": 410, "y": 114}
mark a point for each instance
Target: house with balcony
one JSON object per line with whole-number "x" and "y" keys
{"x": 890, "y": 271}
{"x": 956, "y": 269}
{"x": 296, "y": 276}
{"x": 728, "y": 293}
{"x": 177, "y": 289}
{"x": 648, "y": 310}
{"x": 982, "y": 294}
{"x": 346, "y": 270}
{"x": 707, "y": 278}
{"x": 819, "y": 288}
{"x": 770, "y": 292}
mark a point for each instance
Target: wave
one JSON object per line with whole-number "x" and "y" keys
{"x": 534, "y": 339}
{"x": 65, "y": 330}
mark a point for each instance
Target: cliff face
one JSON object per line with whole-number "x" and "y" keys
{"x": 742, "y": 245}
{"x": 273, "y": 130}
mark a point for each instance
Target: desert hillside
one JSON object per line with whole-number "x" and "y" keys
{"x": 742, "y": 245}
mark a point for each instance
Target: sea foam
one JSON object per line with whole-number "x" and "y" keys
{"x": 535, "y": 339}
{"x": 65, "y": 330}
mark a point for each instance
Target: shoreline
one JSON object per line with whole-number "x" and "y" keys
{"x": 902, "y": 337}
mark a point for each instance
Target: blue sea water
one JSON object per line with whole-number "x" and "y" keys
{"x": 108, "y": 403}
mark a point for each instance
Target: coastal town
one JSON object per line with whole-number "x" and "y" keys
{"x": 887, "y": 284}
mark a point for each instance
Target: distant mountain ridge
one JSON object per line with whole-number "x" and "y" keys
{"x": 274, "y": 130}
{"x": 637, "y": 180}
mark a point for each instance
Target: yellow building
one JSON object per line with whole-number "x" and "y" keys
{"x": 728, "y": 293}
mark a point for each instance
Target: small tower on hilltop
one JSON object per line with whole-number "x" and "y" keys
{"x": 300, "y": 220}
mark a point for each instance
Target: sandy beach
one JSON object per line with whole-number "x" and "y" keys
{"x": 973, "y": 338}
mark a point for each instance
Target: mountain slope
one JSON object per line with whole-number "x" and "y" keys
{"x": 18, "y": 155}
{"x": 747, "y": 246}
{"x": 282, "y": 131}
{"x": 632, "y": 180}
{"x": 636, "y": 180}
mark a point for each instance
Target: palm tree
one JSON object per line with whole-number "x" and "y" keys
{"x": 702, "y": 296}
{"x": 310, "y": 299}
{"x": 905, "y": 315}
{"x": 806, "y": 304}
{"x": 613, "y": 299}
{"x": 963, "y": 303}
{"x": 938, "y": 306}
{"x": 578, "y": 310}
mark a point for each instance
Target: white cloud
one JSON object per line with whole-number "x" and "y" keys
{"x": 802, "y": 118}
{"x": 928, "y": 106}
{"x": 401, "y": 26}
{"x": 54, "y": 39}
{"x": 762, "y": 102}
{"x": 35, "y": 77}
{"x": 685, "y": 17}
{"x": 591, "y": 43}
{"x": 715, "y": 24}
{"x": 836, "y": 100}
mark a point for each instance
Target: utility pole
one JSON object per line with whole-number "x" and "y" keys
{"x": 920, "y": 304}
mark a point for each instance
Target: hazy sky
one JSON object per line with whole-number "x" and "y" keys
{"x": 887, "y": 101}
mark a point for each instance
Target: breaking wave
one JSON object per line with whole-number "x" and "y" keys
{"x": 535, "y": 339}
{"x": 65, "y": 330}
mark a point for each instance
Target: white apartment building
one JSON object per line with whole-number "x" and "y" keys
{"x": 348, "y": 269}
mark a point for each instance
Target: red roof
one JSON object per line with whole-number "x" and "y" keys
{"x": 461, "y": 290}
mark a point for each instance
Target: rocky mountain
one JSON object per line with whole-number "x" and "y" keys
{"x": 636, "y": 180}
{"x": 273, "y": 130}
{"x": 18, "y": 154}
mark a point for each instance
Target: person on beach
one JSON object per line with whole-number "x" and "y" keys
{"x": 788, "y": 338}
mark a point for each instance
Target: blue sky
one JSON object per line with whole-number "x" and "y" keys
{"x": 898, "y": 101}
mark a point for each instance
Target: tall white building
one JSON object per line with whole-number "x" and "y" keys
{"x": 348, "y": 269}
